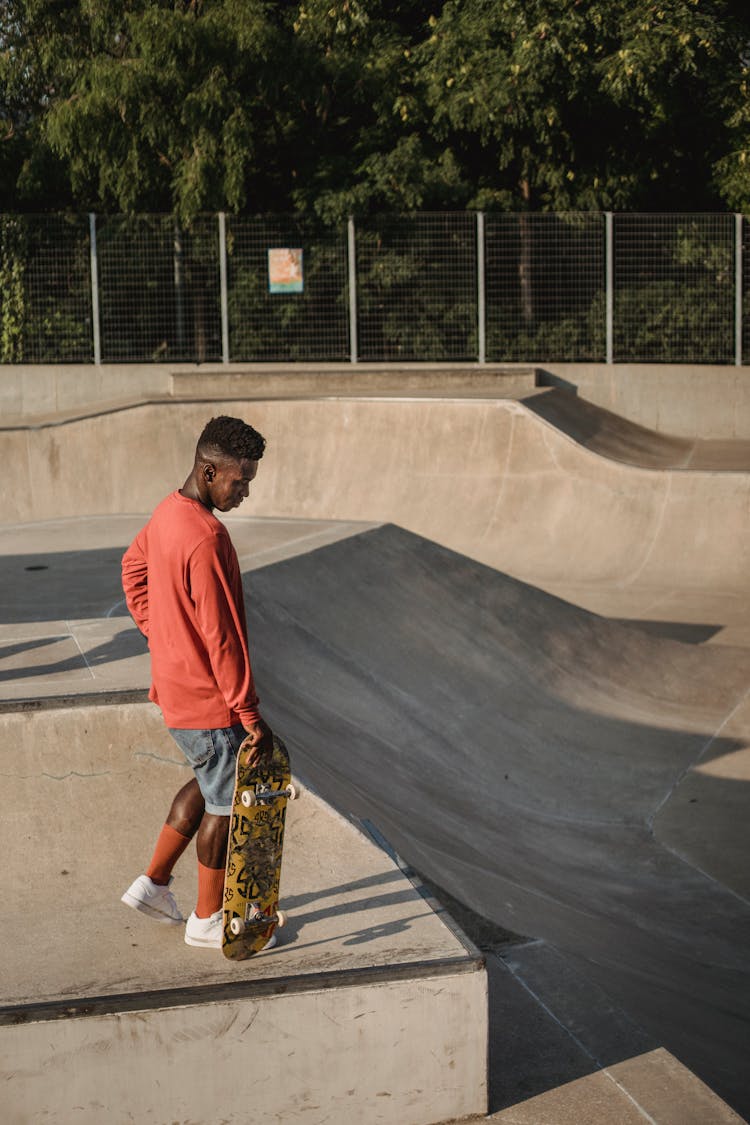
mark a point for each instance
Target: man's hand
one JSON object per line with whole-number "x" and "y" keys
{"x": 258, "y": 744}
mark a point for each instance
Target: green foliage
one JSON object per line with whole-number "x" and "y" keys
{"x": 602, "y": 104}
{"x": 45, "y": 293}
{"x": 330, "y": 107}
{"x": 668, "y": 322}
{"x": 416, "y": 294}
{"x": 325, "y": 108}
{"x": 12, "y": 291}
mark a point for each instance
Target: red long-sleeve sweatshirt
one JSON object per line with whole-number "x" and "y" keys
{"x": 183, "y": 587}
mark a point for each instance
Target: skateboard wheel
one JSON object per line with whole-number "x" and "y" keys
{"x": 280, "y": 918}
{"x": 237, "y": 926}
{"x": 248, "y": 799}
{"x": 292, "y": 792}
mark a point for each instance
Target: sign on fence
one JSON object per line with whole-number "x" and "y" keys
{"x": 285, "y": 271}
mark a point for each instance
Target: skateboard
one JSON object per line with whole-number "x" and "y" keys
{"x": 256, "y": 839}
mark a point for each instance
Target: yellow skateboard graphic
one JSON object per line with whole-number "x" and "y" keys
{"x": 256, "y": 839}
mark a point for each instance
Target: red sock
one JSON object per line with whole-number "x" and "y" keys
{"x": 210, "y": 890}
{"x": 169, "y": 847}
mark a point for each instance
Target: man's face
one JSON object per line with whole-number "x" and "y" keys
{"x": 228, "y": 482}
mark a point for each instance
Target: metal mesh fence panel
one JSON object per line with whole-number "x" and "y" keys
{"x": 674, "y": 298}
{"x": 288, "y": 290}
{"x": 545, "y": 287}
{"x": 674, "y": 288}
{"x": 159, "y": 289}
{"x": 45, "y": 289}
{"x": 417, "y": 287}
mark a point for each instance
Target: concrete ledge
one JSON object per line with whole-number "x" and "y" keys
{"x": 402, "y": 1052}
{"x": 684, "y": 400}
{"x": 373, "y": 1005}
{"x": 412, "y": 378}
{"x": 41, "y": 398}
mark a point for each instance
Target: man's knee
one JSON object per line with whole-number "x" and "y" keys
{"x": 187, "y": 809}
{"x": 212, "y": 840}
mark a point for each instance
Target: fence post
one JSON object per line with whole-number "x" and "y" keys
{"x": 352, "y": 257}
{"x": 609, "y": 267}
{"x": 179, "y": 285}
{"x": 481, "y": 296}
{"x": 223, "y": 287}
{"x": 95, "y": 321}
{"x": 738, "y": 290}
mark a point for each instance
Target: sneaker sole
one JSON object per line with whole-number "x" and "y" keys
{"x": 149, "y": 911}
{"x": 218, "y": 944}
{"x": 202, "y": 944}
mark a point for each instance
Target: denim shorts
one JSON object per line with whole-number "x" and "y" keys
{"x": 213, "y": 756}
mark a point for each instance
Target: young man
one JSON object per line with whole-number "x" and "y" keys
{"x": 183, "y": 588}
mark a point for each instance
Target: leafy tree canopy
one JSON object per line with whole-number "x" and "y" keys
{"x": 338, "y": 106}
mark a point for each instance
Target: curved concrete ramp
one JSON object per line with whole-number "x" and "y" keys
{"x": 570, "y": 778}
{"x": 612, "y": 436}
{"x": 488, "y": 478}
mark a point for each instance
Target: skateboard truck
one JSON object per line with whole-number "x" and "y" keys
{"x": 255, "y": 917}
{"x": 264, "y": 796}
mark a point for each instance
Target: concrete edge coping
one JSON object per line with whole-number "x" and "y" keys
{"x": 285, "y": 383}
{"x": 52, "y": 1010}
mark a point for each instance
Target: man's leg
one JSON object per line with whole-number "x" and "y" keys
{"x": 150, "y": 892}
{"x": 183, "y": 821}
{"x": 186, "y": 812}
{"x": 211, "y": 846}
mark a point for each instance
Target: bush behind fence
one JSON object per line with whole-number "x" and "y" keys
{"x": 425, "y": 287}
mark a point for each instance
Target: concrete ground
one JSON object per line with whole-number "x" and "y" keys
{"x": 102, "y": 777}
{"x": 566, "y": 752}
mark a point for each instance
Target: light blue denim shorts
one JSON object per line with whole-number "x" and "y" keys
{"x": 213, "y": 756}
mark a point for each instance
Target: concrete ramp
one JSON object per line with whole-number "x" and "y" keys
{"x": 615, "y": 437}
{"x": 486, "y": 477}
{"x": 571, "y": 778}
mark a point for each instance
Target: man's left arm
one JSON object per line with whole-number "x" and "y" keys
{"x": 216, "y": 592}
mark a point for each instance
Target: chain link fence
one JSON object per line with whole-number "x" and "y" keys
{"x": 308, "y": 320}
{"x": 444, "y": 287}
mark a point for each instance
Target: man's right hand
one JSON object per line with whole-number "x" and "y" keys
{"x": 258, "y": 744}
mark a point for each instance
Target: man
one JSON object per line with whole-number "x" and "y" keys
{"x": 183, "y": 587}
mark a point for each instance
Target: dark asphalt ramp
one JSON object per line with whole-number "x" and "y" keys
{"x": 524, "y": 755}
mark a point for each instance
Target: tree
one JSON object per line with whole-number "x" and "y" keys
{"x": 364, "y": 144}
{"x": 151, "y": 105}
{"x": 339, "y": 106}
{"x": 583, "y": 104}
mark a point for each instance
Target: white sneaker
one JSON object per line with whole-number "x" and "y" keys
{"x": 210, "y": 931}
{"x": 156, "y": 901}
{"x": 205, "y": 931}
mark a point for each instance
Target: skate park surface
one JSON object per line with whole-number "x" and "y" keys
{"x": 486, "y": 627}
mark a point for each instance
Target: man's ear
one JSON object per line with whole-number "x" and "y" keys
{"x": 209, "y": 471}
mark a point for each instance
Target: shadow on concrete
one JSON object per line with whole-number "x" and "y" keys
{"x": 613, "y": 436}
{"x": 537, "y": 762}
{"x": 683, "y": 631}
{"x": 21, "y": 656}
{"x": 61, "y": 584}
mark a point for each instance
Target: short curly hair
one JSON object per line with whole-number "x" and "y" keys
{"x": 230, "y": 437}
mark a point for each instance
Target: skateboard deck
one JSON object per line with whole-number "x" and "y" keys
{"x": 256, "y": 839}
